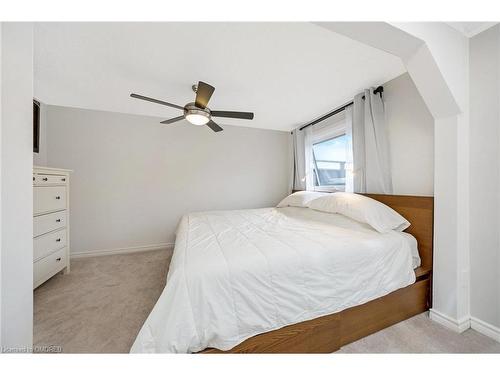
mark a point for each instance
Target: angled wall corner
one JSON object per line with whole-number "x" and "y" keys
{"x": 431, "y": 84}
{"x": 415, "y": 54}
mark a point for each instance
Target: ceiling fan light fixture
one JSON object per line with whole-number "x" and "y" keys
{"x": 196, "y": 116}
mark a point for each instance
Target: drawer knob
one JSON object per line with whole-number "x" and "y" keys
{"x": 63, "y": 179}
{"x": 58, "y": 240}
{"x": 58, "y": 197}
{"x": 58, "y": 259}
{"x": 58, "y": 220}
{"x": 45, "y": 179}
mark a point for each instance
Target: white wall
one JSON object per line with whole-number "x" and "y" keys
{"x": 134, "y": 178}
{"x": 16, "y": 188}
{"x": 411, "y": 136}
{"x": 1, "y": 208}
{"x": 485, "y": 176}
{"x": 450, "y": 51}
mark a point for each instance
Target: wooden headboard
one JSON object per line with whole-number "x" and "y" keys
{"x": 419, "y": 211}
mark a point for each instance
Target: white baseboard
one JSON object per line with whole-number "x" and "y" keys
{"x": 466, "y": 323}
{"x": 485, "y": 328}
{"x": 123, "y": 250}
{"x": 457, "y": 325}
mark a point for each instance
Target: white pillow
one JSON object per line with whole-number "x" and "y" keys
{"x": 300, "y": 199}
{"x": 363, "y": 209}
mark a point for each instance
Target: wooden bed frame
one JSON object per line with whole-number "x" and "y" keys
{"x": 329, "y": 333}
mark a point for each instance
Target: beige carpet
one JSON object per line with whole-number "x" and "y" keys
{"x": 421, "y": 335}
{"x": 101, "y": 305}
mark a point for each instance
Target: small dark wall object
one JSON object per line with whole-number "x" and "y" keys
{"x": 36, "y": 126}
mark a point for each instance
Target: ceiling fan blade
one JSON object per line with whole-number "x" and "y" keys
{"x": 212, "y": 125}
{"x": 232, "y": 114}
{"x": 203, "y": 94}
{"x": 172, "y": 120}
{"x": 137, "y": 96}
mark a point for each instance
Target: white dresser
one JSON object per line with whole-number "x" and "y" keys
{"x": 50, "y": 223}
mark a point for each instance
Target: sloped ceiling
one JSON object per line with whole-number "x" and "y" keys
{"x": 469, "y": 29}
{"x": 286, "y": 73}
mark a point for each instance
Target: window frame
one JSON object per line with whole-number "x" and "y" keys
{"x": 322, "y": 134}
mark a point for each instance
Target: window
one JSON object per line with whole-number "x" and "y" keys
{"x": 328, "y": 155}
{"x": 329, "y": 163}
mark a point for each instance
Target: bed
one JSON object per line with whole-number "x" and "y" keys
{"x": 289, "y": 280}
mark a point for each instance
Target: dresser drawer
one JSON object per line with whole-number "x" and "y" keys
{"x": 48, "y": 198}
{"x": 47, "y": 267}
{"x": 49, "y": 179}
{"x": 48, "y": 243}
{"x": 47, "y": 223}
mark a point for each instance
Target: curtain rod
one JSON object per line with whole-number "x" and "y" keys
{"x": 378, "y": 90}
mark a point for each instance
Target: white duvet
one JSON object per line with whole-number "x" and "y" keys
{"x": 235, "y": 274}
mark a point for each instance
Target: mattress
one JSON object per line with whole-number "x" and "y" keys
{"x": 236, "y": 274}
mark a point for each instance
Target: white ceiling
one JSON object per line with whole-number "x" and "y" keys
{"x": 469, "y": 29}
{"x": 286, "y": 73}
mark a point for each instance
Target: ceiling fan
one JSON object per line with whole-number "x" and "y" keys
{"x": 197, "y": 113}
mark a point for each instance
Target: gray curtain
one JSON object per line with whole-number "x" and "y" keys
{"x": 298, "y": 161}
{"x": 370, "y": 144}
